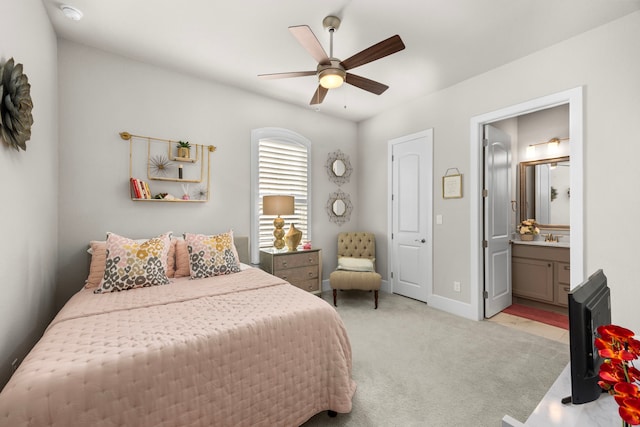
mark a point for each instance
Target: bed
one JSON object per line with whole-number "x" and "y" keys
{"x": 241, "y": 349}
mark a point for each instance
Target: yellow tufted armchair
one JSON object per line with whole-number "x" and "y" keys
{"x": 356, "y": 264}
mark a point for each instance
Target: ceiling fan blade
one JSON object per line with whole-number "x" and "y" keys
{"x": 310, "y": 42}
{"x": 366, "y": 84}
{"x": 287, "y": 75}
{"x": 318, "y": 97}
{"x": 379, "y": 50}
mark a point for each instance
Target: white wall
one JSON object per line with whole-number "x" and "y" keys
{"x": 103, "y": 94}
{"x": 606, "y": 63}
{"x": 29, "y": 187}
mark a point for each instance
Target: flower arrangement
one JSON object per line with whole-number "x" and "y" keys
{"x": 528, "y": 226}
{"x": 617, "y": 374}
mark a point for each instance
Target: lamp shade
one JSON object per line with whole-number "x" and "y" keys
{"x": 278, "y": 205}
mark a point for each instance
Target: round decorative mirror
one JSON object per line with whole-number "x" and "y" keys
{"x": 339, "y": 207}
{"x": 338, "y": 167}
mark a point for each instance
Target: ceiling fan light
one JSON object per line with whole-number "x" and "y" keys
{"x": 331, "y": 78}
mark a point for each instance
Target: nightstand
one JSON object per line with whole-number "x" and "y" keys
{"x": 302, "y": 269}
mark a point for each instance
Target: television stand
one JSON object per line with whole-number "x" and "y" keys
{"x": 602, "y": 412}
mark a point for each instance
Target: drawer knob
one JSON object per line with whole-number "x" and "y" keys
{"x": 310, "y": 274}
{"x": 284, "y": 263}
{"x": 567, "y": 267}
{"x": 566, "y": 289}
{"x": 284, "y": 277}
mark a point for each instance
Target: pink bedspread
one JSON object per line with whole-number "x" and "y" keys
{"x": 245, "y": 349}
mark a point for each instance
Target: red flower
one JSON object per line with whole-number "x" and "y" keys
{"x": 615, "y": 331}
{"x": 618, "y": 375}
{"x": 630, "y": 411}
{"x": 612, "y": 373}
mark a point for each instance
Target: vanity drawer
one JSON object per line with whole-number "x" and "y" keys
{"x": 562, "y": 294}
{"x": 564, "y": 272}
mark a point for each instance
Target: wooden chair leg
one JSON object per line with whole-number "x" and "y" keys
{"x": 335, "y": 292}
{"x": 375, "y": 296}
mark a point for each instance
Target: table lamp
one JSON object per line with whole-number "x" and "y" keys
{"x": 278, "y": 205}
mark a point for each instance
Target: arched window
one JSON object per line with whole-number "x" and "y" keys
{"x": 280, "y": 164}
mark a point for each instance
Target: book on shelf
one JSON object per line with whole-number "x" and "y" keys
{"x": 135, "y": 190}
{"x": 140, "y": 189}
{"x": 147, "y": 190}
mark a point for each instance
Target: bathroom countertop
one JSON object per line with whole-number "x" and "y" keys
{"x": 542, "y": 243}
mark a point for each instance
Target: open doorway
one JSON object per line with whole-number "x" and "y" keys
{"x": 540, "y": 190}
{"x": 573, "y": 99}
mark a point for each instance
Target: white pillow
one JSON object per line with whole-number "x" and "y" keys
{"x": 355, "y": 264}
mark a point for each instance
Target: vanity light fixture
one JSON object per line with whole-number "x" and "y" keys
{"x": 552, "y": 145}
{"x": 71, "y": 12}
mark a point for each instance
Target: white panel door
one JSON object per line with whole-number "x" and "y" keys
{"x": 497, "y": 227}
{"x": 412, "y": 194}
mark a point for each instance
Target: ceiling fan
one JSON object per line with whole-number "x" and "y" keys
{"x": 332, "y": 72}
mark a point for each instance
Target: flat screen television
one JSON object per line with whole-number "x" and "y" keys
{"x": 589, "y": 308}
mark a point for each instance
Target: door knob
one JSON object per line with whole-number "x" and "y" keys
{"x": 421, "y": 241}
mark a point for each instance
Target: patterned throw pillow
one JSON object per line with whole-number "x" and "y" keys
{"x": 211, "y": 255}
{"x": 131, "y": 264}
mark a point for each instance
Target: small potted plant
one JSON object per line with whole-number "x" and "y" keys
{"x": 528, "y": 229}
{"x": 184, "y": 149}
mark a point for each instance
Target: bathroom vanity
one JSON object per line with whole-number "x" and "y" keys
{"x": 541, "y": 273}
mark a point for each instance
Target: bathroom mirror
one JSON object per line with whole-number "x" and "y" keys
{"x": 339, "y": 207}
{"x": 545, "y": 192}
{"x": 338, "y": 167}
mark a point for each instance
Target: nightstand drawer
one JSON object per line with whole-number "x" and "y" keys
{"x": 299, "y": 259}
{"x": 298, "y": 274}
{"x": 308, "y": 285}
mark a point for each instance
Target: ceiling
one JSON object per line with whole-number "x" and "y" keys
{"x": 231, "y": 42}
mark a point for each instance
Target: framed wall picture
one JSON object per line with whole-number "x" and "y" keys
{"x": 452, "y": 185}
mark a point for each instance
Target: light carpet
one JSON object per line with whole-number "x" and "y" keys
{"x": 418, "y": 366}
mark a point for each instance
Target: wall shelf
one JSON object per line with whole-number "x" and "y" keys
{"x": 161, "y": 169}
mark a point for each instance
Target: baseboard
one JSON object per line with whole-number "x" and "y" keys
{"x": 449, "y": 305}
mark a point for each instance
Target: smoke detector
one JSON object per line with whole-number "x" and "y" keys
{"x": 71, "y": 12}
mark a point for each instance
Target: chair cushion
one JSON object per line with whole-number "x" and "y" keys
{"x": 362, "y": 280}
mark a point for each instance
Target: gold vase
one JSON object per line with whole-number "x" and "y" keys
{"x": 184, "y": 152}
{"x": 293, "y": 238}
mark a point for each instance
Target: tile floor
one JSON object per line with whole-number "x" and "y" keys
{"x": 532, "y": 327}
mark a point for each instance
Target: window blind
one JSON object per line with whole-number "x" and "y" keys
{"x": 283, "y": 170}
